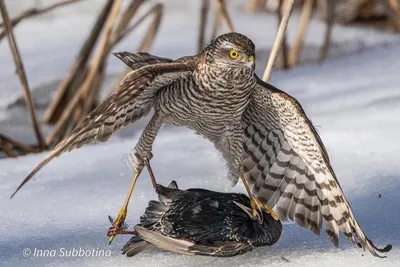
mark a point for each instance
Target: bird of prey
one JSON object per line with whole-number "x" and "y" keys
{"x": 262, "y": 132}
{"x": 200, "y": 222}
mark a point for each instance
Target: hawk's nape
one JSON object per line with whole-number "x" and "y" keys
{"x": 132, "y": 100}
{"x": 288, "y": 166}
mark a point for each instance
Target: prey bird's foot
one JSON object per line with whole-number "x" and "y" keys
{"x": 118, "y": 224}
{"x": 257, "y": 207}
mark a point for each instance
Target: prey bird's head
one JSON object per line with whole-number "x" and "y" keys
{"x": 230, "y": 50}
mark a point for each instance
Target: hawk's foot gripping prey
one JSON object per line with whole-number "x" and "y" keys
{"x": 256, "y": 205}
{"x": 118, "y": 229}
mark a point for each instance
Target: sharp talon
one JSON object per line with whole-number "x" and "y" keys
{"x": 258, "y": 207}
{"x": 118, "y": 223}
{"x": 270, "y": 211}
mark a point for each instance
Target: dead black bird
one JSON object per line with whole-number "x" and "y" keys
{"x": 201, "y": 222}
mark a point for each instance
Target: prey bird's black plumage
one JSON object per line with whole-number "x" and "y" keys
{"x": 202, "y": 222}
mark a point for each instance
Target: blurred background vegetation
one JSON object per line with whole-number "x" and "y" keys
{"x": 60, "y": 49}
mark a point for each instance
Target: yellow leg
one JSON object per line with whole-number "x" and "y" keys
{"x": 124, "y": 210}
{"x": 255, "y": 204}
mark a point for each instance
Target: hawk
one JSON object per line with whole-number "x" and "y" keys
{"x": 263, "y": 133}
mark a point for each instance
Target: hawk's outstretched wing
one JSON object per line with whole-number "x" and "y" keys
{"x": 289, "y": 169}
{"x": 132, "y": 100}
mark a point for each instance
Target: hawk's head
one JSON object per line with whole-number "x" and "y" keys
{"x": 231, "y": 49}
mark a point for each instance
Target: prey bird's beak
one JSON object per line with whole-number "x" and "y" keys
{"x": 249, "y": 212}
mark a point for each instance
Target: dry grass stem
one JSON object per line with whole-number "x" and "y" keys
{"x": 298, "y": 44}
{"x": 84, "y": 89}
{"x": 21, "y": 73}
{"x": 225, "y": 15}
{"x": 68, "y": 85}
{"x": 8, "y": 145}
{"x": 329, "y": 20}
{"x": 34, "y": 12}
{"x": 148, "y": 39}
{"x": 278, "y": 41}
{"x": 205, "y": 7}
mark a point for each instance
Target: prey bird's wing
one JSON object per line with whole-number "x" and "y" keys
{"x": 159, "y": 240}
{"x": 132, "y": 100}
{"x": 188, "y": 247}
{"x": 288, "y": 167}
{"x": 225, "y": 249}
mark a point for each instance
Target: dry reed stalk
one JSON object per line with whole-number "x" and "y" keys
{"x": 205, "y": 7}
{"x": 217, "y": 23}
{"x": 298, "y": 44}
{"x": 17, "y": 145}
{"x": 147, "y": 41}
{"x": 256, "y": 5}
{"x": 34, "y": 12}
{"x": 88, "y": 98}
{"x": 221, "y": 6}
{"x": 5, "y": 146}
{"x": 157, "y": 10}
{"x": 21, "y": 73}
{"x": 83, "y": 90}
{"x": 283, "y": 55}
{"x": 88, "y": 91}
{"x": 329, "y": 20}
{"x": 278, "y": 40}
{"x": 68, "y": 84}
{"x": 394, "y": 14}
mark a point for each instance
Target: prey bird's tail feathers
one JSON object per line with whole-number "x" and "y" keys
{"x": 132, "y": 100}
{"x": 134, "y": 246}
{"x": 156, "y": 209}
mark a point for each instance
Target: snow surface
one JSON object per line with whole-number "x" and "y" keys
{"x": 353, "y": 101}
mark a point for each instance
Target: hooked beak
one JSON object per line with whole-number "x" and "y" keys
{"x": 251, "y": 62}
{"x": 249, "y": 211}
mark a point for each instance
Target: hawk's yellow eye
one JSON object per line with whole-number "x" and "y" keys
{"x": 234, "y": 54}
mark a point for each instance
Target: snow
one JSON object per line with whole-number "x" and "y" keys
{"x": 353, "y": 101}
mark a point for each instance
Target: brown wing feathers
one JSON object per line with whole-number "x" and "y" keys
{"x": 141, "y": 59}
{"x": 130, "y": 102}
